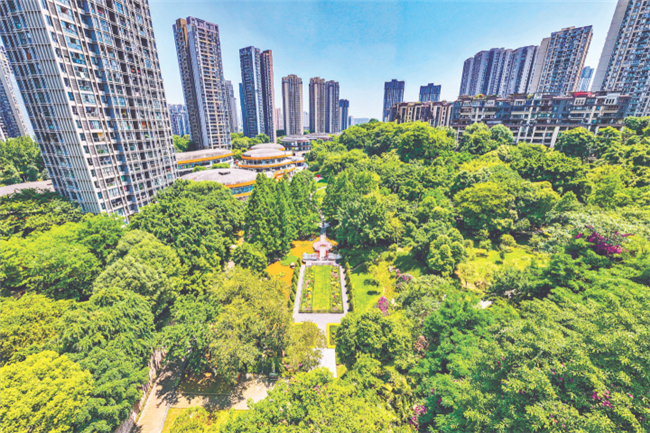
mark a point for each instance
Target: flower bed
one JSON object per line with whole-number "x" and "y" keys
{"x": 321, "y": 292}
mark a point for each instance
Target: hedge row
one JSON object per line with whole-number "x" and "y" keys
{"x": 348, "y": 286}
{"x": 294, "y": 286}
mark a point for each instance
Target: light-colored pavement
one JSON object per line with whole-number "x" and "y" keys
{"x": 256, "y": 387}
{"x": 329, "y": 355}
{"x": 153, "y": 415}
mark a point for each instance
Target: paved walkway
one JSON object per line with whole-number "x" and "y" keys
{"x": 255, "y": 387}
{"x": 153, "y": 416}
{"x": 329, "y": 356}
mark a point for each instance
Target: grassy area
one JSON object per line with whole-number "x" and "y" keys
{"x": 366, "y": 292}
{"x": 372, "y": 279}
{"x": 476, "y": 273}
{"x": 217, "y": 417}
{"x": 322, "y": 287}
{"x": 290, "y": 258}
{"x": 172, "y": 414}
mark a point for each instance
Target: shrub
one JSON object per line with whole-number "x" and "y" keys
{"x": 485, "y": 245}
{"x": 508, "y": 241}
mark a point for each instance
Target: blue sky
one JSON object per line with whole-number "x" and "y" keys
{"x": 362, "y": 44}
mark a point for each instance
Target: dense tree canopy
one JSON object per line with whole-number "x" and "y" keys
{"x": 20, "y": 161}
{"x": 200, "y": 220}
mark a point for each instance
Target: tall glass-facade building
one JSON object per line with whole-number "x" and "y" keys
{"x": 393, "y": 93}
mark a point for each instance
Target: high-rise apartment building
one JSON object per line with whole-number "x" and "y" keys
{"x": 317, "y": 98}
{"x": 292, "y": 106}
{"x": 268, "y": 94}
{"x": 430, "y": 93}
{"x": 393, "y": 93}
{"x": 498, "y": 71}
{"x": 585, "y": 79}
{"x": 517, "y": 71}
{"x": 625, "y": 59}
{"x": 482, "y": 73}
{"x": 257, "y": 93}
{"x": 233, "y": 119}
{"x": 90, "y": 78}
{"x": 344, "y": 105}
{"x": 305, "y": 120}
{"x": 279, "y": 120}
{"x": 204, "y": 88}
{"x": 332, "y": 108}
{"x": 560, "y": 60}
{"x": 180, "y": 120}
{"x": 13, "y": 123}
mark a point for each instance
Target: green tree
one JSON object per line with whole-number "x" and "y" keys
{"x": 261, "y": 225}
{"x": 363, "y": 221}
{"x": 262, "y": 138}
{"x": 117, "y": 385}
{"x": 200, "y": 220}
{"x": 303, "y": 347}
{"x": 31, "y": 210}
{"x": 189, "y": 334}
{"x": 113, "y": 319}
{"x": 182, "y": 144}
{"x": 20, "y": 161}
{"x": 314, "y": 401}
{"x": 54, "y": 263}
{"x": 101, "y": 234}
{"x": 136, "y": 276}
{"x": 502, "y": 135}
{"x": 485, "y": 206}
{"x": 45, "y": 393}
{"x": 249, "y": 257}
{"x": 578, "y": 142}
{"x": 478, "y": 139}
{"x": 384, "y": 338}
{"x": 241, "y": 319}
{"x": 28, "y": 323}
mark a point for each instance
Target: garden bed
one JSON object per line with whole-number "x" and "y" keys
{"x": 321, "y": 292}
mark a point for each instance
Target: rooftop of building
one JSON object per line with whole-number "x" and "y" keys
{"x": 318, "y": 135}
{"x": 265, "y": 153}
{"x": 10, "y": 189}
{"x": 200, "y": 154}
{"x": 266, "y": 146}
{"x": 224, "y": 176}
{"x": 295, "y": 138}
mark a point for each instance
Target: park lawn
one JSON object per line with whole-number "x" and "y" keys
{"x": 322, "y": 288}
{"x": 475, "y": 273}
{"x": 365, "y": 293}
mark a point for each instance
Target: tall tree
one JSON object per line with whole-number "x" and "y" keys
{"x": 20, "y": 161}
{"x": 45, "y": 393}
